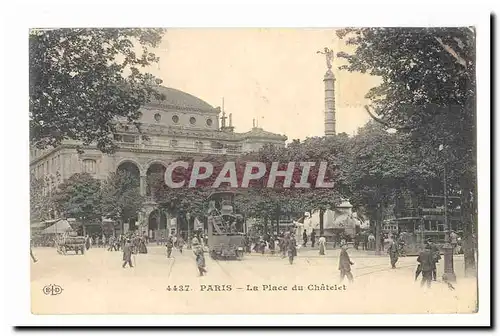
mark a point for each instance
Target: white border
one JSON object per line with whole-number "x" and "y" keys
{"x": 256, "y": 13}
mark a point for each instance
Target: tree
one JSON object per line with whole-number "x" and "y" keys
{"x": 428, "y": 90}
{"x": 80, "y": 197}
{"x": 121, "y": 196}
{"x": 377, "y": 172}
{"x": 82, "y": 80}
{"x": 41, "y": 205}
{"x": 269, "y": 203}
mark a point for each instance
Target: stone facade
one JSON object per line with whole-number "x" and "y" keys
{"x": 180, "y": 125}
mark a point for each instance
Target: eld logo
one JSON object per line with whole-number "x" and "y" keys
{"x": 52, "y": 290}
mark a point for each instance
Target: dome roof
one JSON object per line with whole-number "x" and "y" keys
{"x": 179, "y": 99}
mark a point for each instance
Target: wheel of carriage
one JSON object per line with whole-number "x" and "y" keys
{"x": 239, "y": 255}
{"x": 213, "y": 255}
{"x": 63, "y": 250}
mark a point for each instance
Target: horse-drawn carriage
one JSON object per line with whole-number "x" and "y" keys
{"x": 66, "y": 243}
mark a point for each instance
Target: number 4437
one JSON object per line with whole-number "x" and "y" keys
{"x": 178, "y": 288}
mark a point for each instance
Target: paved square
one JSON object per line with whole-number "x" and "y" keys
{"x": 95, "y": 283}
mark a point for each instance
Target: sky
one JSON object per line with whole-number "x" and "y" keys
{"x": 272, "y": 75}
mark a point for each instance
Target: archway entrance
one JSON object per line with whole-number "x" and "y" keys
{"x": 155, "y": 175}
{"x": 157, "y": 225}
{"x": 133, "y": 170}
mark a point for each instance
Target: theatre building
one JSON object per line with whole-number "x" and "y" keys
{"x": 180, "y": 125}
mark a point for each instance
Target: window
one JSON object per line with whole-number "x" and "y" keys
{"x": 199, "y": 145}
{"x": 128, "y": 138}
{"x": 157, "y": 117}
{"x": 118, "y": 137}
{"x": 173, "y": 143}
{"x": 192, "y": 120}
{"x": 89, "y": 166}
{"x": 175, "y": 119}
{"x": 209, "y": 122}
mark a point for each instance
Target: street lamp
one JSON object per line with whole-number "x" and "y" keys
{"x": 188, "y": 217}
{"x": 449, "y": 272}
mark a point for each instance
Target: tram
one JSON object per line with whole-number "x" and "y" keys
{"x": 416, "y": 225}
{"x": 226, "y": 229}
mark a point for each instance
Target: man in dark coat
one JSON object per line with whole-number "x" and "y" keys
{"x": 313, "y": 238}
{"x": 127, "y": 254}
{"x": 304, "y": 237}
{"x": 436, "y": 257}
{"x": 426, "y": 261}
{"x": 345, "y": 264}
{"x": 169, "y": 245}
{"x": 292, "y": 248}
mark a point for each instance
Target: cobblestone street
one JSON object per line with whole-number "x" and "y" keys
{"x": 96, "y": 283}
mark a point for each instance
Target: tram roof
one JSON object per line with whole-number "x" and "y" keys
{"x": 222, "y": 193}
{"x": 404, "y": 218}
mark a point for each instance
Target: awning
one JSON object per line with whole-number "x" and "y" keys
{"x": 60, "y": 226}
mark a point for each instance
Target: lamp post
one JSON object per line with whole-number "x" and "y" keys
{"x": 188, "y": 217}
{"x": 449, "y": 272}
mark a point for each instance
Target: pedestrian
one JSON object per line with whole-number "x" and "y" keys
{"x": 32, "y": 256}
{"x": 127, "y": 254}
{"x": 262, "y": 245}
{"x": 313, "y": 238}
{"x": 371, "y": 242}
{"x": 304, "y": 238}
{"x": 284, "y": 245}
{"x": 111, "y": 243}
{"x": 343, "y": 240}
{"x": 426, "y": 261}
{"x": 393, "y": 251}
{"x": 180, "y": 244}
{"x": 322, "y": 245}
{"x": 87, "y": 242}
{"x": 454, "y": 241}
{"x": 382, "y": 242}
{"x": 345, "y": 264}
{"x": 272, "y": 244}
{"x": 200, "y": 258}
{"x": 356, "y": 241}
{"x": 364, "y": 236}
{"x": 169, "y": 245}
{"x": 436, "y": 257}
{"x": 142, "y": 245}
{"x": 292, "y": 249}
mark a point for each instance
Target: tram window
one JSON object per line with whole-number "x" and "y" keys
{"x": 427, "y": 225}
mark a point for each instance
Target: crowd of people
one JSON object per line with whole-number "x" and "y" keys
{"x": 284, "y": 243}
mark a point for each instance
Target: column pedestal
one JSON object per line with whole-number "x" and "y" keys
{"x": 449, "y": 271}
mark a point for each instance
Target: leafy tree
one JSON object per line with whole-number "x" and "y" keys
{"x": 41, "y": 204}
{"x": 377, "y": 172}
{"x": 80, "y": 197}
{"x": 428, "y": 90}
{"x": 121, "y": 196}
{"x": 82, "y": 80}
